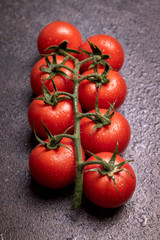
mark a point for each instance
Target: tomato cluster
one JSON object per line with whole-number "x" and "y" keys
{"x": 78, "y": 87}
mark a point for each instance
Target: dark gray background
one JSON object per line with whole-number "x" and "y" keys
{"x": 30, "y": 212}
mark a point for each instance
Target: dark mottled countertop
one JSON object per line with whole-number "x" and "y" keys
{"x": 30, "y": 212}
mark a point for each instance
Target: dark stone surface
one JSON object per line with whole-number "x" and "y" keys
{"x": 30, "y": 212}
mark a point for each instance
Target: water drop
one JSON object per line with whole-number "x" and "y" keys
{"x": 143, "y": 220}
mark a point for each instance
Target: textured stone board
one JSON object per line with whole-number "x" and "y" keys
{"x": 28, "y": 211}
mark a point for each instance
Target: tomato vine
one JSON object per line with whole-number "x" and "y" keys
{"x": 96, "y": 58}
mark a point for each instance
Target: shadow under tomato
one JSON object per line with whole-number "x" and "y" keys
{"x": 99, "y": 212}
{"x": 44, "y": 193}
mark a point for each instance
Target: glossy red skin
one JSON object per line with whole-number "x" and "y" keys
{"x": 56, "y": 118}
{"x": 56, "y": 32}
{"x": 108, "y": 45}
{"x": 114, "y": 90}
{"x": 105, "y": 139}
{"x": 101, "y": 190}
{"x": 62, "y": 83}
{"x": 54, "y": 168}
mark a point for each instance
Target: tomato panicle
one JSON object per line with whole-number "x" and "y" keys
{"x": 78, "y": 87}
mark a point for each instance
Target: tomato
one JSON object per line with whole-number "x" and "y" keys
{"x": 54, "y": 168}
{"x": 56, "y": 118}
{"x": 56, "y": 32}
{"x": 108, "y": 45}
{"x": 62, "y": 83}
{"x": 100, "y": 189}
{"x": 104, "y": 139}
{"x": 114, "y": 90}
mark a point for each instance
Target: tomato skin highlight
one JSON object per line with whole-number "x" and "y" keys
{"x": 62, "y": 83}
{"x": 56, "y": 32}
{"x": 105, "y": 139}
{"x": 108, "y": 45}
{"x": 114, "y": 90}
{"x": 56, "y": 118}
{"x": 54, "y": 168}
{"x": 101, "y": 190}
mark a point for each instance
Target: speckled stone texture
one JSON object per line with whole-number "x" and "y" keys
{"x": 30, "y": 212}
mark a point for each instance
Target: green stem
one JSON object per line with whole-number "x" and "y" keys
{"x": 104, "y": 164}
{"x": 90, "y": 59}
{"x": 66, "y": 135}
{"x": 64, "y": 53}
{"x": 90, "y": 77}
{"x": 96, "y": 117}
{"x": 65, "y": 93}
{"x": 77, "y": 142}
{"x": 66, "y": 67}
{"x": 81, "y": 115}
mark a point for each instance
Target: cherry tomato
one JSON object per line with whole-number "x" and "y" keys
{"x": 105, "y": 139}
{"x": 56, "y": 32}
{"x": 114, "y": 90}
{"x": 56, "y": 118}
{"x": 62, "y": 83}
{"x": 54, "y": 168}
{"x": 108, "y": 45}
{"x": 100, "y": 189}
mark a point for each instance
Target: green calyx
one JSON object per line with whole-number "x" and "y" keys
{"x": 98, "y": 57}
{"x": 98, "y": 79}
{"x": 103, "y": 76}
{"x": 98, "y": 118}
{"x": 54, "y": 140}
{"x": 109, "y": 168}
{"x": 53, "y": 98}
{"x": 95, "y": 51}
{"x": 53, "y": 68}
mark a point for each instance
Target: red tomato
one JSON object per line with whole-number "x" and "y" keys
{"x": 56, "y": 118}
{"x": 101, "y": 190}
{"x": 62, "y": 83}
{"x": 54, "y": 168}
{"x": 105, "y": 139}
{"x": 114, "y": 90}
{"x": 108, "y": 45}
{"x": 56, "y": 32}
